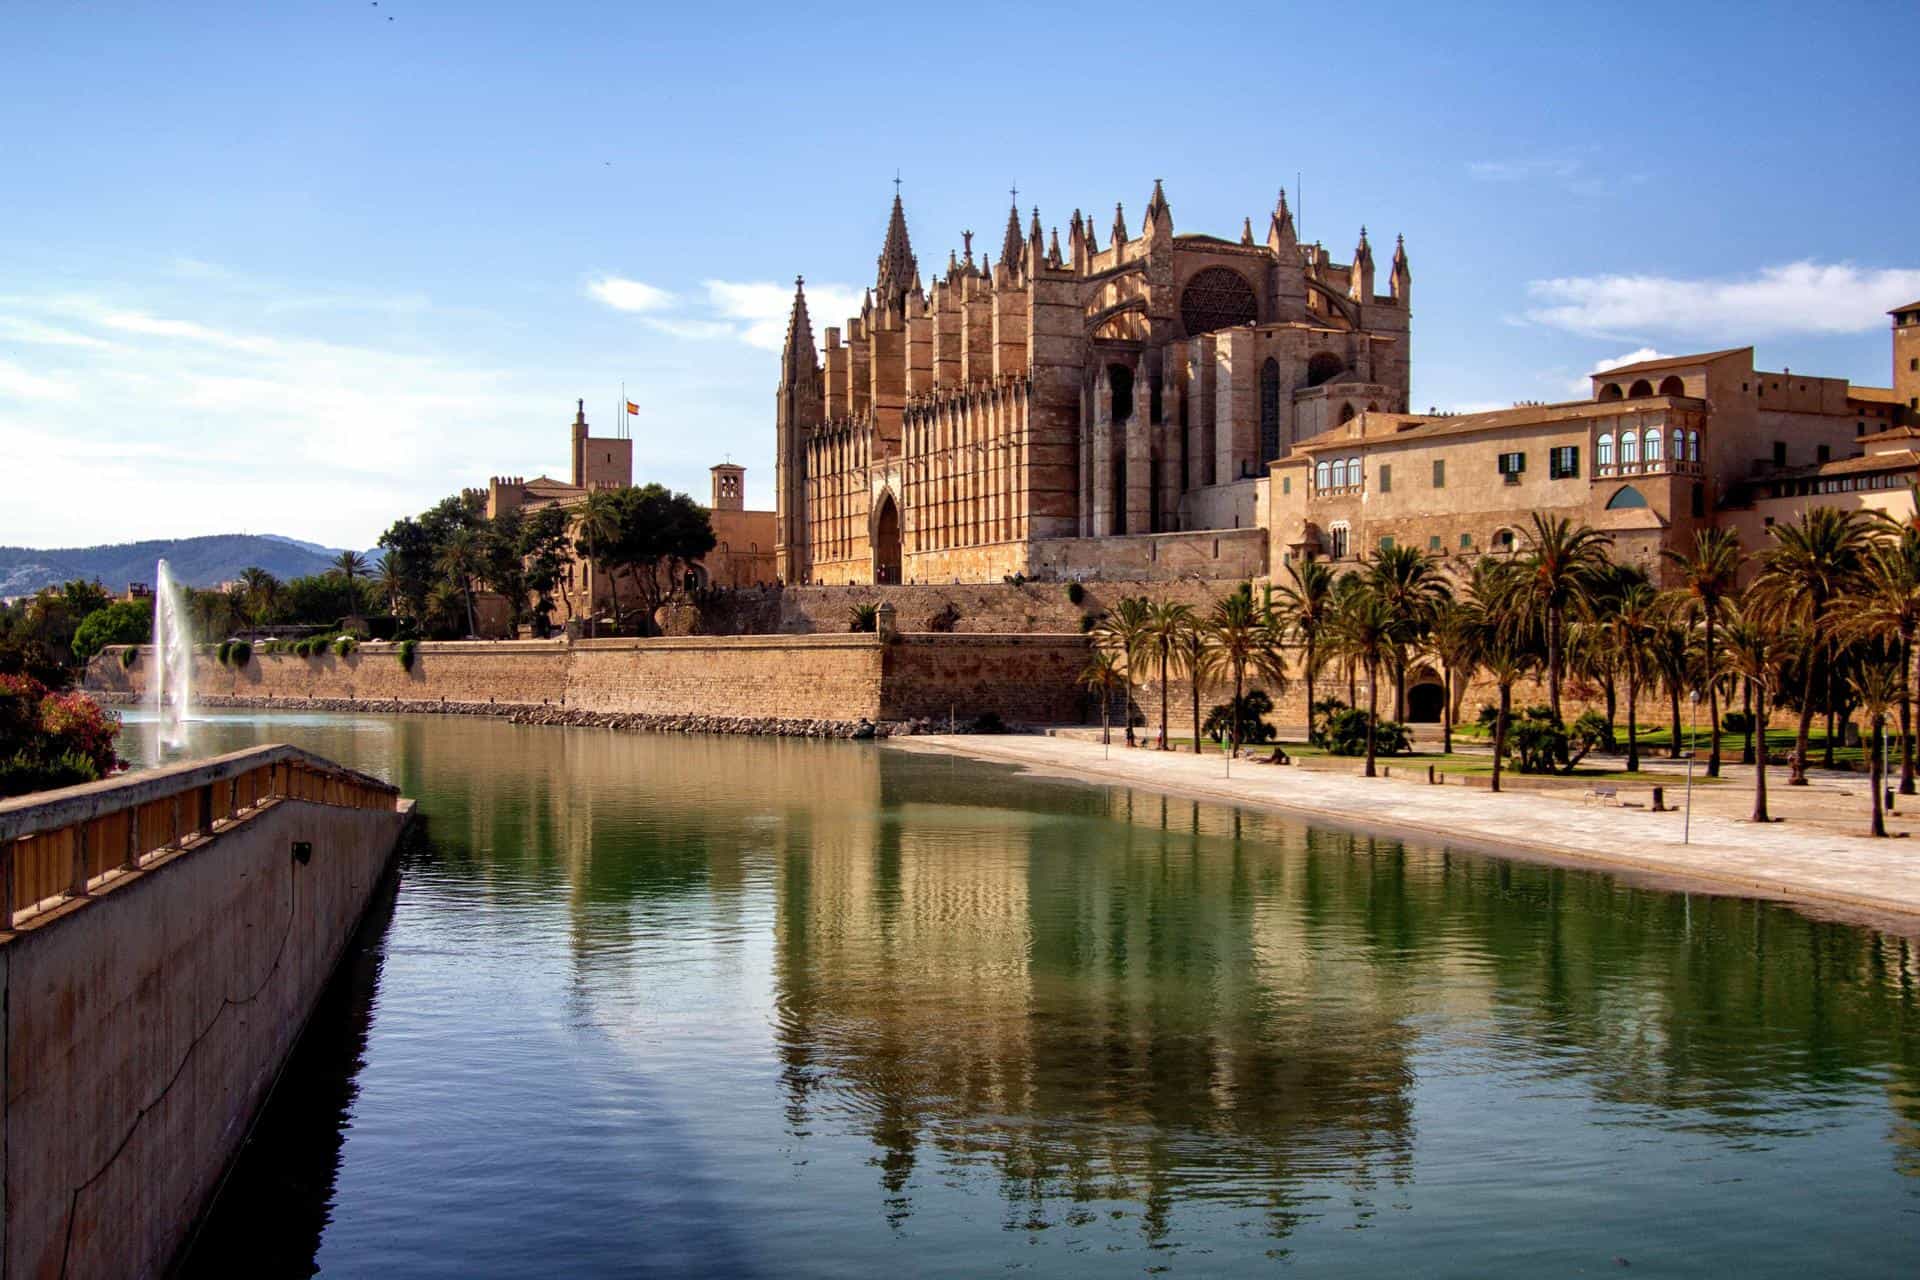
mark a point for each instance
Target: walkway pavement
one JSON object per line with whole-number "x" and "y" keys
{"x": 1819, "y": 854}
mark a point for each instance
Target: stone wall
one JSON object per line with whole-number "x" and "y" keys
{"x": 145, "y": 1024}
{"x": 980, "y": 608}
{"x": 841, "y": 678}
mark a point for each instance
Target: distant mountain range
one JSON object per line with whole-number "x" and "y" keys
{"x": 200, "y": 562}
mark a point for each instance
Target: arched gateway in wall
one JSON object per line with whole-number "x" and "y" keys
{"x": 886, "y": 540}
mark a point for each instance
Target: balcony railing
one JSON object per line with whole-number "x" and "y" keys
{"x": 58, "y": 846}
{"x": 1662, "y": 467}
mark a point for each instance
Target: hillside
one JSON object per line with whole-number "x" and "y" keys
{"x": 200, "y": 562}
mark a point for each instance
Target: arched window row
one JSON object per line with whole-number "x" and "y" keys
{"x": 1341, "y": 475}
{"x": 1650, "y": 450}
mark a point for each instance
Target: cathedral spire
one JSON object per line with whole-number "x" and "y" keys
{"x": 799, "y": 356}
{"x": 1281, "y": 236}
{"x": 1246, "y": 231}
{"x": 1400, "y": 278}
{"x": 1053, "y": 249}
{"x": 1119, "y": 226}
{"x": 1159, "y": 213}
{"x": 897, "y": 263}
{"x": 1010, "y": 244}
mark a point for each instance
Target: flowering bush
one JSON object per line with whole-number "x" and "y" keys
{"x": 52, "y": 739}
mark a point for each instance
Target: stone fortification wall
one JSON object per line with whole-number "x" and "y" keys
{"x": 691, "y": 683}
{"x": 980, "y": 608}
{"x": 144, "y": 1025}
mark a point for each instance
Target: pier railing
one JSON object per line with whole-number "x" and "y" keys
{"x": 58, "y": 846}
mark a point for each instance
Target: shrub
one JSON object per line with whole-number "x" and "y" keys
{"x": 1322, "y": 711}
{"x": 1488, "y": 714}
{"x": 128, "y": 656}
{"x": 988, "y": 722}
{"x": 223, "y": 652}
{"x": 1540, "y": 743}
{"x": 240, "y": 654}
{"x": 345, "y": 645}
{"x": 52, "y": 739}
{"x": 863, "y": 617}
{"x": 1088, "y": 621}
{"x": 123, "y": 622}
{"x": 1346, "y": 734}
{"x": 1737, "y": 722}
{"x": 1254, "y": 706}
{"x": 1075, "y": 593}
{"x": 405, "y": 654}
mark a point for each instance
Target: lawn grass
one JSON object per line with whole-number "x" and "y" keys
{"x": 1458, "y": 764}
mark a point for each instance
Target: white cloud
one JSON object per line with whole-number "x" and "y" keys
{"x": 48, "y": 335}
{"x": 1522, "y": 170}
{"x": 630, "y": 295}
{"x": 22, "y": 384}
{"x": 762, "y": 308}
{"x": 1798, "y": 298}
{"x": 1582, "y": 387}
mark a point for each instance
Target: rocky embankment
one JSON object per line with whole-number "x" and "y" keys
{"x": 573, "y": 717}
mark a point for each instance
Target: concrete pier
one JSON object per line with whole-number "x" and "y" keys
{"x": 163, "y": 938}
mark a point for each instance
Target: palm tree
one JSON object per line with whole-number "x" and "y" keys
{"x": 1455, "y": 642}
{"x": 1243, "y": 636}
{"x": 1877, "y": 685}
{"x": 349, "y": 565}
{"x": 1562, "y": 563}
{"x": 1190, "y": 656}
{"x": 1102, "y": 675}
{"x": 261, "y": 591}
{"x": 1669, "y": 651}
{"x": 1709, "y": 577}
{"x": 1166, "y": 623}
{"x": 386, "y": 577}
{"x": 1369, "y": 630}
{"x": 602, "y": 529}
{"x": 1124, "y": 633}
{"x": 1750, "y": 655}
{"x": 1629, "y": 629}
{"x": 460, "y": 561}
{"x": 1304, "y": 607}
{"x": 1812, "y": 562}
{"x": 1408, "y": 582}
{"x": 1884, "y": 606}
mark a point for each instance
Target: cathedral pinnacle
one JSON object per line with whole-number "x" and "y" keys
{"x": 1119, "y": 226}
{"x": 1011, "y": 242}
{"x": 799, "y": 353}
{"x": 1159, "y": 213}
{"x": 1280, "y": 233}
{"x": 1246, "y": 231}
{"x": 897, "y": 263}
{"x": 1053, "y": 249}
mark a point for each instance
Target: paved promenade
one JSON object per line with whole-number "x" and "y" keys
{"x": 1818, "y": 855}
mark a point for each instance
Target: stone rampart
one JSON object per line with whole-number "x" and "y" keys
{"x": 820, "y": 683}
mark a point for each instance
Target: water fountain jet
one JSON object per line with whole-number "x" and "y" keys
{"x": 172, "y": 658}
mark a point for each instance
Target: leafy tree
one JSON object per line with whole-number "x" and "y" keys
{"x": 1351, "y": 733}
{"x": 123, "y": 622}
{"x": 543, "y": 548}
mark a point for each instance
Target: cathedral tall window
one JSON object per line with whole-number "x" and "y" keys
{"x": 1217, "y": 298}
{"x": 1269, "y": 410}
{"x": 1120, "y": 378}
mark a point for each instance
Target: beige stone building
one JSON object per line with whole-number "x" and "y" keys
{"x": 1076, "y": 411}
{"x": 743, "y": 554}
{"x": 1659, "y": 449}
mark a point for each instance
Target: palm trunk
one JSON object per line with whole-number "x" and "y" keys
{"x": 1673, "y": 695}
{"x": 1906, "y": 713}
{"x": 1373, "y": 699}
{"x": 1609, "y": 687}
{"x": 1126, "y": 707}
{"x": 1163, "y": 698}
{"x": 1239, "y": 679}
{"x": 1874, "y": 771}
{"x": 1553, "y": 661}
{"x": 1713, "y": 705}
{"x": 1500, "y": 732}
{"x": 467, "y": 589}
{"x": 1309, "y": 692}
{"x": 1760, "y": 761}
{"x": 1798, "y": 776}
{"x": 1826, "y": 753}
{"x": 1194, "y": 672}
{"x": 1746, "y": 705}
{"x": 1400, "y": 688}
{"x": 1633, "y": 722}
{"x": 1106, "y": 717}
{"x": 1446, "y": 713}
{"x": 1353, "y": 683}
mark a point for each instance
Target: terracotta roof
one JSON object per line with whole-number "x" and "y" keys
{"x": 1892, "y": 433}
{"x": 1379, "y": 428}
{"x": 1911, "y": 306}
{"x": 1873, "y": 395}
{"x": 1892, "y": 460}
{"x": 1669, "y": 362}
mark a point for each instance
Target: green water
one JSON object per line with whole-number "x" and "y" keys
{"x": 683, "y": 1006}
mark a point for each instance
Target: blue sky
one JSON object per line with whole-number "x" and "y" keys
{"x": 301, "y": 268}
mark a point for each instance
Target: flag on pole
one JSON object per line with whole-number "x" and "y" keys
{"x": 632, "y": 408}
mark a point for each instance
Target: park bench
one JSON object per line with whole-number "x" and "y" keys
{"x": 1603, "y": 794}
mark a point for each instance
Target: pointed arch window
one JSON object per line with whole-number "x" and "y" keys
{"x": 1270, "y": 410}
{"x": 1627, "y": 497}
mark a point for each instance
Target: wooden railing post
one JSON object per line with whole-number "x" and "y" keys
{"x": 133, "y": 839}
{"x": 77, "y": 885}
{"x": 6, "y": 882}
